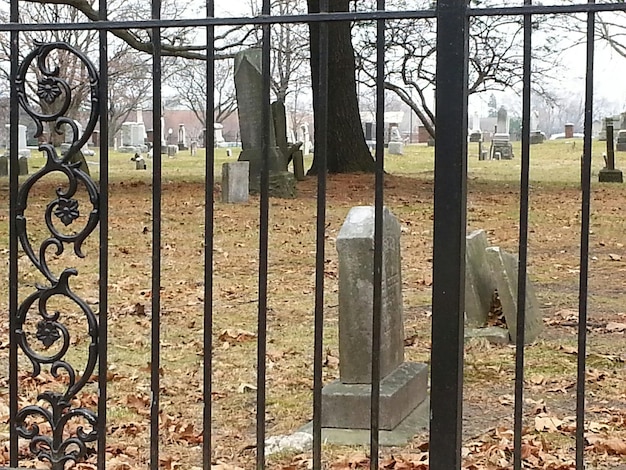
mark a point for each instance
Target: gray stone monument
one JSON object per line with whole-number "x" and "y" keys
{"x": 504, "y": 268}
{"x": 235, "y": 182}
{"x": 610, "y": 174}
{"x": 4, "y": 165}
{"x": 346, "y": 402}
{"x": 479, "y": 284}
{"x": 249, "y": 91}
{"x": 501, "y": 147}
{"x": 395, "y": 146}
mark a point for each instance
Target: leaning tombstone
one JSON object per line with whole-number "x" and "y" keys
{"x": 235, "y": 182}
{"x": 504, "y": 268}
{"x": 479, "y": 284}
{"x": 249, "y": 92}
{"x": 346, "y": 403}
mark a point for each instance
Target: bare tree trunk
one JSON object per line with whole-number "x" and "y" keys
{"x": 347, "y": 150}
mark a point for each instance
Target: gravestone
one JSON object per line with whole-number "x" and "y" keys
{"x": 249, "y": 91}
{"x": 620, "y": 144}
{"x": 501, "y": 147}
{"x": 4, "y": 165}
{"x": 182, "y": 137}
{"x": 298, "y": 166}
{"x": 346, "y": 402}
{"x": 172, "y": 150}
{"x": 235, "y": 181}
{"x": 504, "y": 268}
{"x": 479, "y": 284}
{"x": 609, "y": 174}
{"x": 193, "y": 147}
{"x": 396, "y": 146}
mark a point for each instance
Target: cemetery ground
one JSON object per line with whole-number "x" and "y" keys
{"x": 493, "y": 205}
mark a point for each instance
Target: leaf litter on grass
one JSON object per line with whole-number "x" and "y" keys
{"x": 489, "y": 370}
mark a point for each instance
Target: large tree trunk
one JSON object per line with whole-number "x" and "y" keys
{"x": 347, "y": 150}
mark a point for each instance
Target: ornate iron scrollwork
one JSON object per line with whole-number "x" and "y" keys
{"x": 60, "y": 444}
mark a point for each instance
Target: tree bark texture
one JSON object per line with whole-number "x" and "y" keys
{"x": 347, "y": 149}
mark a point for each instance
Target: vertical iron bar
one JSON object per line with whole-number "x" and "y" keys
{"x": 523, "y": 246}
{"x": 321, "y": 151}
{"x": 155, "y": 361}
{"x": 263, "y": 244}
{"x": 103, "y": 302}
{"x": 208, "y": 241}
{"x": 450, "y": 200}
{"x": 378, "y": 238}
{"x": 584, "y": 248}
{"x": 13, "y": 245}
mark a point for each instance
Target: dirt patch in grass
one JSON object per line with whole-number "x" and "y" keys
{"x": 550, "y": 375}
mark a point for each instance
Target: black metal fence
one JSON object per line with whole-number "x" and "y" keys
{"x": 57, "y": 408}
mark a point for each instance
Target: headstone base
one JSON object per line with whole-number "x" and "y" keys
{"x": 418, "y": 420}
{"x": 610, "y": 176}
{"x": 396, "y": 148}
{"x": 348, "y": 405}
{"x": 502, "y": 151}
{"x": 282, "y": 184}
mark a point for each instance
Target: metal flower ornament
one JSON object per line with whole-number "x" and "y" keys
{"x": 46, "y": 423}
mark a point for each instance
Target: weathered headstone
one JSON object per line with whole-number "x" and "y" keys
{"x": 4, "y": 165}
{"x": 249, "y": 91}
{"x": 395, "y": 146}
{"x": 479, "y": 284}
{"x": 346, "y": 402}
{"x": 235, "y": 181}
{"x": 172, "y": 150}
{"x": 182, "y": 137}
{"x": 609, "y": 174}
{"x": 298, "y": 165}
{"x": 140, "y": 163}
{"x": 620, "y": 144}
{"x": 504, "y": 268}
{"x": 22, "y": 163}
{"x": 501, "y": 147}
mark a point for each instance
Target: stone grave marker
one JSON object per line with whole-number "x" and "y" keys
{"x": 479, "y": 284}
{"x": 4, "y": 165}
{"x": 235, "y": 181}
{"x": 249, "y": 92}
{"x": 609, "y": 174}
{"x": 396, "y": 146}
{"x": 346, "y": 402}
{"x": 504, "y": 268}
{"x": 501, "y": 147}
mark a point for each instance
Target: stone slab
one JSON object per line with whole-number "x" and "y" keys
{"x": 396, "y": 148}
{"x": 4, "y": 166}
{"x": 504, "y": 267}
{"x": 298, "y": 165}
{"x": 355, "y": 247}
{"x": 402, "y": 434}
{"x": 235, "y": 182}
{"x": 610, "y": 176}
{"x": 493, "y": 334}
{"x": 479, "y": 283}
{"x": 22, "y": 165}
{"x": 348, "y": 405}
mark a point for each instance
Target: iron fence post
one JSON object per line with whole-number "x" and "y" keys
{"x": 449, "y": 235}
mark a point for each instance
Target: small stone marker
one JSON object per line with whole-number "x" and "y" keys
{"x": 479, "y": 284}
{"x": 346, "y": 402}
{"x": 172, "y": 150}
{"x": 22, "y": 163}
{"x": 298, "y": 165}
{"x": 504, "y": 268}
{"x": 4, "y": 165}
{"x": 235, "y": 182}
{"x": 140, "y": 163}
